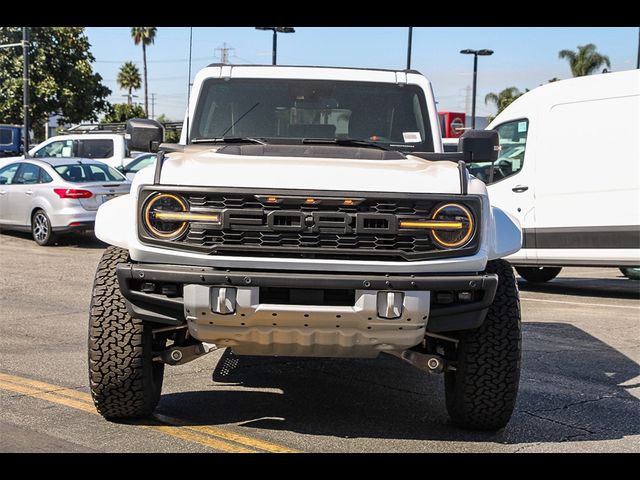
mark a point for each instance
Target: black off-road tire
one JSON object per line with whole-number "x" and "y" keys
{"x": 538, "y": 274}
{"x": 481, "y": 393}
{"x": 125, "y": 382}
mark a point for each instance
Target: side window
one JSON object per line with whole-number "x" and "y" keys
{"x": 513, "y": 143}
{"x": 6, "y": 137}
{"x": 95, "y": 148}
{"x": 7, "y": 173}
{"x": 45, "y": 177}
{"x": 28, "y": 174}
{"x": 59, "y": 148}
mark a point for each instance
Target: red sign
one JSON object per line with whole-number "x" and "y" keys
{"x": 451, "y": 124}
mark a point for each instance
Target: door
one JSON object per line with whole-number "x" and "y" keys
{"x": 7, "y": 175}
{"x": 23, "y": 190}
{"x": 510, "y": 183}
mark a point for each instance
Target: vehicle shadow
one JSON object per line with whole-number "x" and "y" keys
{"x": 573, "y": 387}
{"x": 620, "y": 287}
{"x": 80, "y": 240}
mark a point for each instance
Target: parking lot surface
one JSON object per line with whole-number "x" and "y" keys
{"x": 579, "y": 389}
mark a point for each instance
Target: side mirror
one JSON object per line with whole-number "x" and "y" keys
{"x": 480, "y": 145}
{"x": 121, "y": 169}
{"x": 3, "y": 180}
{"x": 144, "y": 135}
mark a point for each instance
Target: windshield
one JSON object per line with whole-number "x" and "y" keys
{"x": 80, "y": 173}
{"x": 287, "y": 111}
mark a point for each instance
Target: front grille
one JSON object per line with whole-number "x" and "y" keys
{"x": 251, "y": 236}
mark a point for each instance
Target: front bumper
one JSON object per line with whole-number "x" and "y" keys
{"x": 272, "y": 328}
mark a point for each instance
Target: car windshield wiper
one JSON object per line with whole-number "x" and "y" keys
{"x": 344, "y": 142}
{"x": 258, "y": 141}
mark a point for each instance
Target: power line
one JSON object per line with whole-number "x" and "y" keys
{"x": 181, "y": 60}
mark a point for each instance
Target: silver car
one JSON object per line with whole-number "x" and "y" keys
{"x": 51, "y": 196}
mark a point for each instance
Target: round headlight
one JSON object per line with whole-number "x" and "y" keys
{"x": 158, "y": 219}
{"x": 455, "y": 237}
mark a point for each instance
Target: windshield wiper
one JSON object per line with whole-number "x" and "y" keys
{"x": 344, "y": 142}
{"x": 258, "y": 141}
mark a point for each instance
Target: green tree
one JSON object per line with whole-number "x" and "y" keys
{"x": 129, "y": 78}
{"x": 503, "y": 99}
{"x": 585, "y": 60}
{"x": 170, "y": 135}
{"x": 121, "y": 112}
{"x": 145, "y": 36}
{"x": 61, "y": 78}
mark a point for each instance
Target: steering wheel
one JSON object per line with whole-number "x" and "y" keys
{"x": 500, "y": 164}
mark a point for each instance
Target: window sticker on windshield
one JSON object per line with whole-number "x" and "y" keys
{"x": 522, "y": 127}
{"x": 411, "y": 137}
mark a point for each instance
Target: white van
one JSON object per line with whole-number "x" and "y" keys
{"x": 569, "y": 172}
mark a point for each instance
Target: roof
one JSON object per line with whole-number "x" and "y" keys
{"x": 579, "y": 89}
{"x": 313, "y": 66}
{"x": 56, "y": 161}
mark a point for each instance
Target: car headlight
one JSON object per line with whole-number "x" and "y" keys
{"x": 167, "y": 216}
{"x": 162, "y": 216}
{"x": 456, "y": 225}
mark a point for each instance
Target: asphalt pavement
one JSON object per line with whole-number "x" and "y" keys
{"x": 579, "y": 389}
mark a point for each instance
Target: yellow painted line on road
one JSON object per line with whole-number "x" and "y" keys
{"x": 216, "y": 438}
{"x": 49, "y": 396}
{"x": 578, "y": 303}
{"x": 226, "y": 434}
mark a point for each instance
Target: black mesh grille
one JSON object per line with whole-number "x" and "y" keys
{"x": 256, "y": 238}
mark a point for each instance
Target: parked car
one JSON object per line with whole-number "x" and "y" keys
{"x": 569, "y": 171}
{"x": 137, "y": 164}
{"x": 110, "y": 148}
{"x": 10, "y": 140}
{"x": 56, "y": 195}
{"x": 308, "y": 212}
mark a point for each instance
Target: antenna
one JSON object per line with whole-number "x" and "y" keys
{"x": 189, "y": 84}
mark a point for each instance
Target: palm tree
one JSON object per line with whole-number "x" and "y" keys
{"x": 503, "y": 99}
{"x": 146, "y": 36}
{"x": 129, "y": 78}
{"x": 585, "y": 61}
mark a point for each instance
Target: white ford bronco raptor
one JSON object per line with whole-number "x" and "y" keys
{"x": 308, "y": 212}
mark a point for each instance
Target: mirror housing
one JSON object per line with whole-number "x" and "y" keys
{"x": 480, "y": 145}
{"x": 3, "y": 180}
{"x": 144, "y": 135}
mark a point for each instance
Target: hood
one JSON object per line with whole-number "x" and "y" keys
{"x": 206, "y": 167}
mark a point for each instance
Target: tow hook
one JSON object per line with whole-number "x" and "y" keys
{"x": 185, "y": 354}
{"x": 425, "y": 361}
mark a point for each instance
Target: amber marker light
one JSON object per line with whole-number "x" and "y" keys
{"x": 433, "y": 225}
{"x": 310, "y": 200}
{"x": 272, "y": 200}
{"x": 347, "y": 201}
{"x": 187, "y": 217}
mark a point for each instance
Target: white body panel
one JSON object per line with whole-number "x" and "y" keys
{"x": 116, "y": 221}
{"x": 582, "y": 170}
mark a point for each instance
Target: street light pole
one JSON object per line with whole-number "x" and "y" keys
{"x": 276, "y": 30}
{"x": 25, "y": 88}
{"x": 274, "y": 50}
{"x": 475, "y": 54}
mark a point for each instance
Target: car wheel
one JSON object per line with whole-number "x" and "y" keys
{"x": 538, "y": 274}
{"x": 124, "y": 380}
{"x": 41, "y": 229}
{"x": 481, "y": 392}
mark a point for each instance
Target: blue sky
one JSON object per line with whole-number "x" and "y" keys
{"x": 524, "y": 57}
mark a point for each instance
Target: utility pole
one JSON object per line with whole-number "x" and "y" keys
{"x": 223, "y": 53}
{"x": 153, "y": 106}
{"x": 25, "y": 87}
